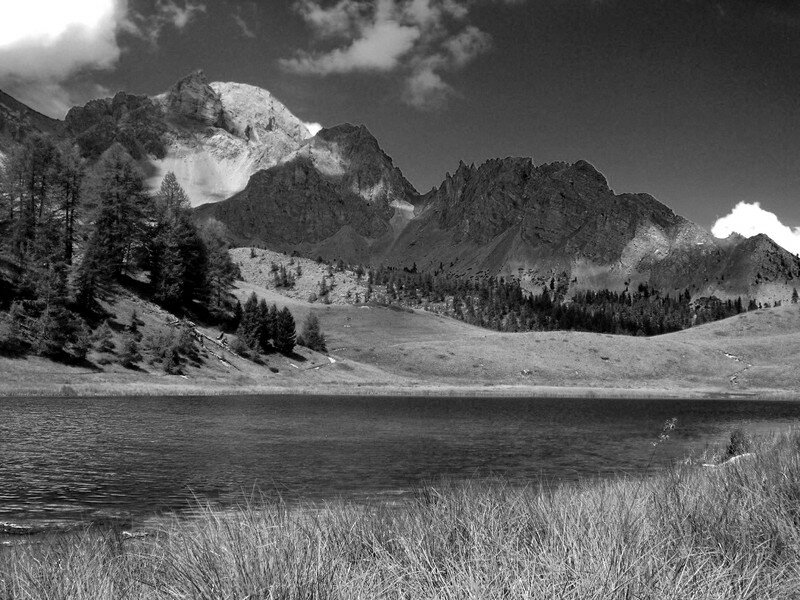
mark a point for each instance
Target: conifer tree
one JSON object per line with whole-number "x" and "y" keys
{"x": 103, "y": 338}
{"x": 285, "y": 334}
{"x": 129, "y": 353}
{"x": 311, "y": 335}
{"x": 248, "y": 326}
{"x": 119, "y": 226}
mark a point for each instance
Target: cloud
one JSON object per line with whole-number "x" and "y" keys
{"x": 149, "y": 23}
{"x": 45, "y": 43}
{"x": 426, "y": 90}
{"x": 750, "y": 219}
{"x": 243, "y": 26}
{"x": 313, "y": 128}
{"x": 379, "y": 48}
{"x": 419, "y": 39}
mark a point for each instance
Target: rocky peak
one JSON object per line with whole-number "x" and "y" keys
{"x": 133, "y": 121}
{"x": 192, "y": 97}
{"x": 255, "y": 115}
{"x": 350, "y": 155}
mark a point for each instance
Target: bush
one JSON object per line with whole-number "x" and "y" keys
{"x": 741, "y": 442}
{"x": 171, "y": 348}
{"x": 238, "y": 346}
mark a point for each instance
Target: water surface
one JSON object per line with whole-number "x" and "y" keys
{"x": 67, "y": 460}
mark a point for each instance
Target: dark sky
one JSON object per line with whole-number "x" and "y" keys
{"x": 694, "y": 101}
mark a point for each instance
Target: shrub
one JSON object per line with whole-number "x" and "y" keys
{"x": 740, "y": 443}
{"x": 171, "y": 348}
{"x": 238, "y": 346}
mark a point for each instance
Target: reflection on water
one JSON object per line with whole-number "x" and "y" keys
{"x": 63, "y": 460}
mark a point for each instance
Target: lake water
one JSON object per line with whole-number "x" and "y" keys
{"x": 68, "y": 460}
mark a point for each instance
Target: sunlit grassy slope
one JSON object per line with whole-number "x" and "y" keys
{"x": 379, "y": 349}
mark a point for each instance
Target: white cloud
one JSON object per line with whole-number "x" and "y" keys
{"x": 246, "y": 30}
{"x": 379, "y": 48}
{"x": 43, "y": 43}
{"x": 313, "y": 128}
{"x": 425, "y": 89}
{"x": 750, "y": 219}
{"x": 420, "y": 39}
{"x": 167, "y": 13}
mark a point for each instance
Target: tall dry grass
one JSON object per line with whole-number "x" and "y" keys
{"x": 731, "y": 532}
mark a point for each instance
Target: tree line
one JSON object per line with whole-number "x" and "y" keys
{"x": 502, "y": 304}
{"x": 71, "y": 232}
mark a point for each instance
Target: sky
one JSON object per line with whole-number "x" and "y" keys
{"x": 696, "y": 102}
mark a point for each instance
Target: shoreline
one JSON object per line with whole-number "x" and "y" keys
{"x": 122, "y": 390}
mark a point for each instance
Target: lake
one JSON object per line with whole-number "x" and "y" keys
{"x": 68, "y": 460}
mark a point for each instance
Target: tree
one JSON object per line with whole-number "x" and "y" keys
{"x": 312, "y": 336}
{"x": 285, "y": 334}
{"x": 177, "y": 254}
{"x": 119, "y": 225}
{"x": 103, "y": 338}
{"x": 220, "y": 272}
{"x": 129, "y": 354}
{"x": 794, "y": 296}
{"x": 249, "y": 324}
{"x": 264, "y": 326}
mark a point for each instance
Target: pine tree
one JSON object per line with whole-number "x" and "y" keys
{"x": 264, "y": 326}
{"x": 119, "y": 226}
{"x": 285, "y": 334}
{"x": 312, "y": 335}
{"x": 177, "y": 254}
{"x": 129, "y": 354}
{"x": 103, "y": 338}
{"x": 248, "y": 326}
{"x": 220, "y": 271}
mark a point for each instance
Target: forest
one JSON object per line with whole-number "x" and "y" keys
{"x": 73, "y": 234}
{"x": 502, "y": 305}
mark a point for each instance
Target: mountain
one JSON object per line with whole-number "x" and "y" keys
{"x": 17, "y": 121}
{"x": 338, "y": 195}
{"x": 254, "y": 166}
{"x": 213, "y": 136}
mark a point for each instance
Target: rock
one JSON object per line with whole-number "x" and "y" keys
{"x": 192, "y": 97}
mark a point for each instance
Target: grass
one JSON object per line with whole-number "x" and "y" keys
{"x": 731, "y": 532}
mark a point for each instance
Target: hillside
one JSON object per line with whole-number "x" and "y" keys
{"x": 374, "y": 349}
{"x": 17, "y": 121}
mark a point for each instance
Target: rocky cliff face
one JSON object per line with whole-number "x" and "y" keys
{"x": 561, "y": 221}
{"x": 135, "y": 122}
{"x": 338, "y": 195}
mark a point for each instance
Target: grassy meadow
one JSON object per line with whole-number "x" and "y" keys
{"x": 727, "y": 532}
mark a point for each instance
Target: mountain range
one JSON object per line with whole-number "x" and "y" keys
{"x": 248, "y": 163}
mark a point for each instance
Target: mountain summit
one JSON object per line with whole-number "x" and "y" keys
{"x": 213, "y": 136}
